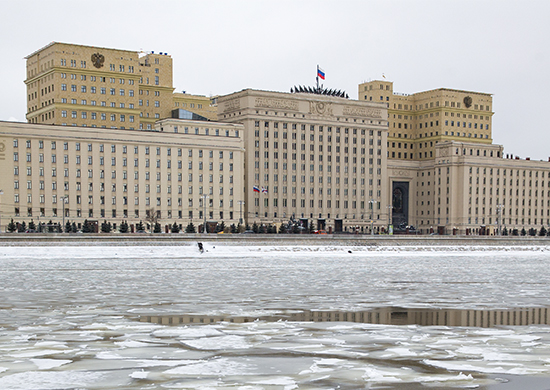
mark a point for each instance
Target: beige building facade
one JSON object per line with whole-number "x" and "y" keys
{"x": 88, "y": 86}
{"x": 445, "y": 174}
{"x": 469, "y": 188}
{"x": 197, "y": 104}
{"x": 314, "y": 158}
{"x": 100, "y": 134}
{"x": 181, "y": 172}
{"x": 417, "y": 122}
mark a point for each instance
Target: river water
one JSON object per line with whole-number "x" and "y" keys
{"x": 274, "y": 317}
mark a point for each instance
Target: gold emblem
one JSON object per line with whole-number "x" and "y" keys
{"x": 98, "y": 60}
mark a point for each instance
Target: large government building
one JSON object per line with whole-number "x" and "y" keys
{"x": 317, "y": 158}
{"x": 108, "y": 138}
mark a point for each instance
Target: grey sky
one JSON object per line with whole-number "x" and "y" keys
{"x": 218, "y": 47}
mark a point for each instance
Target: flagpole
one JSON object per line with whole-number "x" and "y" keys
{"x": 317, "y": 77}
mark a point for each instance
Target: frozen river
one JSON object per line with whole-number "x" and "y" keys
{"x": 266, "y": 317}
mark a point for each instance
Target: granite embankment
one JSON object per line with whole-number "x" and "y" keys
{"x": 17, "y": 239}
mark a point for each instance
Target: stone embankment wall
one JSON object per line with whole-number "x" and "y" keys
{"x": 36, "y": 239}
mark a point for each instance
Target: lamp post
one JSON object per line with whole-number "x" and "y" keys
{"x": 499, "y": 211}
{"x": 64, "y": 199}
{"x": 372, "y": 202}
{"x": 389, "y": 207}
{"x": 204, "y": 224}
{"x": 1, "y": 193}
{"x": 241, "y": 202}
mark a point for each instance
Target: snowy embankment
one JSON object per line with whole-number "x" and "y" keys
{"x": 222, "y": 250}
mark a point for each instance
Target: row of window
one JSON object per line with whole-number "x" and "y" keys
{"x": 355, "y": 120}
{"x": 101, "y": 79}
{"x": 102, "y": 90}
{"x": 148, "y": 150}
{"x": 490, "y": 171}
{"x": 191, "y": 105}
{"x": 464, "y": 125}
{"x": 84, "y": 102}
{"x": 312, "y": 157}
{"x": 320, "y": 137}
{"x": 498, "y": 172}
{"x": 124, "y": 189}
{"x": 102, "y": 116}
{"x": 124, "y": 164}
{"x": 303, "y": 127}
{"x": 482, "y": 220}
{"x": 112, "y": 67}
{"x": 124, "y": 213}
{"x": 364, "y": 206}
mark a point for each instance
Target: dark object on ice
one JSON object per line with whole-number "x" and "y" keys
{"x": 349, "y": 251}
{"x": 201, "y": 248}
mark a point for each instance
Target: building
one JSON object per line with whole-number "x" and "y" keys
{"x": 88, "y": 86}
{"x": 417, "y": 122}
{"x": 446, "y": 175}
{"x": 314, "y": 158}
{"x": 470, "y": 188}
{"x": 197, "y": 104}
{"x": 106, "y": 122}
{"x": 55, "y": 173}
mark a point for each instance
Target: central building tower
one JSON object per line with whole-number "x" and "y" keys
{"x": 316, "y": 158}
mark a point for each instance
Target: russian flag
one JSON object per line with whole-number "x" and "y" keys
{"x": 264, "y": 190}
{"x": 320, "y": 73}
{"x": 256, "y": 189}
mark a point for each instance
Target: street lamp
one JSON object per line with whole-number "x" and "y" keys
{"x": 204, "y": 225}
{"x": 241, "y": 202}
{"x": 1, "y": 193}
{"x": 389, "y": 207}
{"x": 499, "y": 211}
{"x": 64, "y": 199}
{"x": 372, "y": 202}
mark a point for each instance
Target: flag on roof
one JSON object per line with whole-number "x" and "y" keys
{"x": 256, "y": 189}
{"x": 320, "y": 73}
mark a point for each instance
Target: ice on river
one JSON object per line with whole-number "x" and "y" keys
{"x": 70, "y": 316}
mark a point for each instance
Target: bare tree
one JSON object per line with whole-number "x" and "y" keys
{"x": 151, "y": 217}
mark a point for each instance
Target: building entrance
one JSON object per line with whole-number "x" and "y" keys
{"x": 400, "y": 203}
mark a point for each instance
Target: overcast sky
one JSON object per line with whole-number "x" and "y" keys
{"x": 218, "y": 47}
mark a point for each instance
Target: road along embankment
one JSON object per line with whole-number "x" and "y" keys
{"x": 144, "y": 239}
